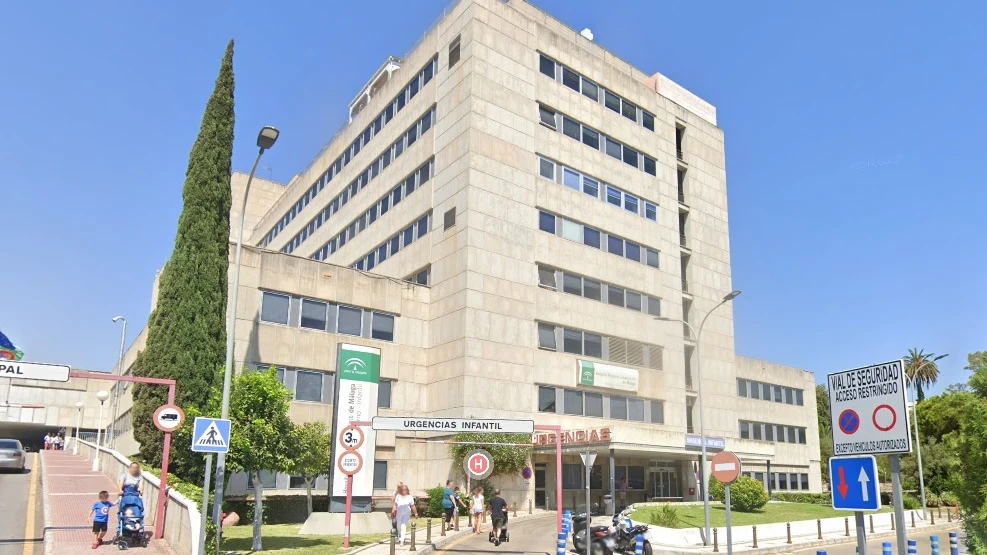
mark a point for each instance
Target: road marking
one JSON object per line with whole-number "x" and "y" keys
{"x": 32, "y": 496}
{"x": 469, "y": 534}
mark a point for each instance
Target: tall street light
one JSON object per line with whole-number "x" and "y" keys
{"x": 78, "y": 424}
{"x": 102, "y": 396}
{"x": 116, "y": 386}
{"x": 702, "y": 427}
{"x": 265, "y": 139}
{"x": 918, "y": 440}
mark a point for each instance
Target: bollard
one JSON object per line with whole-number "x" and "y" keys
{"x": 820, "y": 553}
{"x": 949, "y": 515}
{"x": 457, "y": 522}
{"x": 846, "y": 523}
{"x": 892, "y": 522}
{"x": 515, "y": 509}
{"x": 560, "y": 549}
{"x": 413, "y": 526}
{"x": 886, "y": 548}
{"x": 932, "y": 518}
{"x": 755, "y": 537}
{"x": 940, "y": 510}
{"x": 913, "y": 519}
{"x": 428, "y": 530}
{"x": 934, "y": 540}
{"x": 469, "y": 519}
{"x": 639, "y": 545}
{"x": 716, "y": 540}
{"x": 529, "y": 506}
{"x": 819, "y": 528}
{"x": 788, "y": 525}
{"x": 954, "y": 543}
{"x": 394, "y": 539}
{"x": 871, "y": 524}
{"x": 912, "y": 547}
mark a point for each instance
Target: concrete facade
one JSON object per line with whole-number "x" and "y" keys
{"x": 490, "y": 328}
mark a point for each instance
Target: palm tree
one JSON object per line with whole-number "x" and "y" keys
{"x": 922, "y": 370}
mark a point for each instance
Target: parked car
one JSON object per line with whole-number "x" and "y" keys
{"x": 12, "y": 455}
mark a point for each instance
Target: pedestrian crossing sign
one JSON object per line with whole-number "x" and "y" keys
{"x": 211, "y": 435}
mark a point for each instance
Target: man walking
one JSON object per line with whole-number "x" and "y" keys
{"x": 498, "y": 514}
{"x": 449, "y": 499}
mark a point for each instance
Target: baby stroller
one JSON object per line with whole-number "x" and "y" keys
{"x": 130, "y": 522}
{"x": 504, "y": 536}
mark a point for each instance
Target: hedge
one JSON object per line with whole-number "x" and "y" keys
{"x": 813, "y": 498}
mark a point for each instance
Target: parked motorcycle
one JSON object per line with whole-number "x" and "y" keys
{"x": 579, "y": 531}
{"x": 621, "y": 538}
{"x": 625, "y": 536}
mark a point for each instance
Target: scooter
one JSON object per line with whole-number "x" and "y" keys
{"x": 579, "y": 531}
{"x": 625, "y": 536}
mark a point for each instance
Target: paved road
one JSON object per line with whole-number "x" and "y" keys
{"x": 528, "y": 537}
{"x": 924, "y": 546}
{"x": 15, "y": 489}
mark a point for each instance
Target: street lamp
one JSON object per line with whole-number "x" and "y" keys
{"x": 265, "y": 139}
{"x": 702, "y": 427}
{"x": 116, "y": 386}
{"x": 102, "y": 396}
{"x": 918, "y": 440}
{"x": 78, "y": 424}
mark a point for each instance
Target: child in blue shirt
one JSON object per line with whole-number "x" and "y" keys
{"x": 100, "y": 514}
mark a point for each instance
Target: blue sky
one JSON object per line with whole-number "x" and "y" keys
{"x": 853, "y": 136}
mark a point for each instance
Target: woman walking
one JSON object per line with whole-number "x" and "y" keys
{"x": 131, "y": 481}
{"x": 477, "y": 508}
{"x": 404, "y": 509}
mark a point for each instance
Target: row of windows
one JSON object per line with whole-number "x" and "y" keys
{"x": 364, "y": 179}
{"x": 389, "y": 248}
{"x": 269, "y": 480}
{"x": 317, "y": 387}
{"x": 770, "y": 392}
{"x": 408, "y": 185}
{"x": 279, "y": 308}
{"x": 595, "y": 188}
{"x": 614, "y": 349}
{"x": 575, "y": 284}
{"x": 592, "y": 237}
{"x": 781, "y": 480}
{"x": 597, "y": 140}
{"x": 585, "y": 403}
{"x": 595, "y": 92}
{"x": 772, "y": 432}
{"x": 574, "y": 476}
{"x": 386, "y": 115}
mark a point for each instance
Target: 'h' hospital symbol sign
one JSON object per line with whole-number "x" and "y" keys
{"x": 478, "y": 464}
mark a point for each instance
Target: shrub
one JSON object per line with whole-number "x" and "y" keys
{"x": 716, "y": 489}
{"x": 948, "y": 498}
{"x": 747, "y": 494}
{"x": 435, "y": 502}
{"x": 910, "y": 502}
{"x": 666, "y": 517}
{"x": 813, "y": 498}
{"x": 278, "y": 509}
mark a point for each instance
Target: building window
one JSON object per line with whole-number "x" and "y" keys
{"x": 546, "y": 222}
{"x": 572, "y": 476}
{"x": 657, "y": 412}
{"x": 350, "y": 321}
{"x": 615, "y": 296}
{"x": 618, "y": 407}
{"x": 592, "y": 289}
{"x": 570, "y": 79}
{"x": 274, "y": 308}
{"x": 591, "y": 90}
{"x": 313, "y": 315}
{"x": 380, "y": 474}
{"x": 573, "y": 404}
{"x": 546, "y": 66}
{"x": 546, "y": 277}
{"x": 547, "y": 116}
{"x": 592, "y": 345}
{"x": 593, "y": 404}
{"x": 268, "y": 479}
{"x": 454, "y": 51}
{"x": 804, "y": 478}
{"x": 308, "y": 386}
{"x": 546, "y": 168}
{"x": 650, "y": 211}
{"x": 572, "y": 341}
{"x": 591, "y": 237}
{"x": 546, "y": 399}
{"x": 546, "y": 337}
{"x": 296, "y": 482}
{"x": 382, "y": 327}
{"x": 741, "y": 388}
{"x": 384, "y": 394}
{"x": 635, "y": 410}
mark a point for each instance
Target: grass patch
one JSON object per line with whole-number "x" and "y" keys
{"x": 691, "y": 516}
{"x": 284, "y": 539}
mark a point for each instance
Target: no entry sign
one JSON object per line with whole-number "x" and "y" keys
{"x": 869, "y": 410}
{"x": 478, "y": 464}
{"x": 726, "y": 467}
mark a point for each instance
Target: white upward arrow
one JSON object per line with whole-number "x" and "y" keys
{"x": 864, "y": 480}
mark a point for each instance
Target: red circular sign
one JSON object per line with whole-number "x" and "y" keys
{"x": 169, "y": 418}
{"x": 726, "y": 467}
{"x": 351, "y": 438}
{"x": 478, "y": 464}
{"x": 349, "y": 462}
{"x": 894, "y": 418}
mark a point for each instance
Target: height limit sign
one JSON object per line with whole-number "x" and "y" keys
{"x": 869, "y": 410}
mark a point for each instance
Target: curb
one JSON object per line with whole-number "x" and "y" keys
{"x": 49, "y": 545}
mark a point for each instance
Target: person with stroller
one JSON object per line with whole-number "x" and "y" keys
{"x": 498, "y": 515}
{"x": 131, "y": 481}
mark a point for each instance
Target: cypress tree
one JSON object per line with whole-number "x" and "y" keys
{"x": 186, "y": 338}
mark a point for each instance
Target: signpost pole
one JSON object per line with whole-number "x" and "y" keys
{"x": 726, "y": 500}
{"x": 205, "y": 505}
{"x": 589, "y": 513}
{"x": 858, "y": 517}
{"x": 349, "y": 511}
{"x": 899, "y": 508}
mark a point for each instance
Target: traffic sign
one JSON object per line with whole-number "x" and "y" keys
{"x": 589, "y": 457}
{"x": 349, "y": 462}
{"x": 854, "y": 482}
{"x": 34, "y": 371}
{"x": 351, "y": 438}
{"x": 868, "y": 410}
{"x": 493, "y": 425}
{"x": 478, "y": 463}
{"x": 211, "y": 435}
{"x": 726, "y": 467}
{"x": 169, "y": 418}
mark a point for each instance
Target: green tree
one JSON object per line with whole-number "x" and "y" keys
{"x": 261, "y": 433}
{"x": 507, "y": 459}
{"x": 825, "y": 430}
{"x": 973, "y": 452}
{"x": 312, "y": 454}
{"x": 186, "y": 338}
{"x": 922, "y": 370}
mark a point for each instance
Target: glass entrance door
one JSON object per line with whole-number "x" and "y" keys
{"x": 664, "y": 484}
{"x": 540, "y": 486}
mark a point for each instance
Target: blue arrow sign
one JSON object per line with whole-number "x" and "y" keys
{"x": 211, "y": 435}
{"x": 854, "y": 483}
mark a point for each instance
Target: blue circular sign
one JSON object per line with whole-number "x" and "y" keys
{"x": 849, "y": 421}
{"x": 526, "y": 473}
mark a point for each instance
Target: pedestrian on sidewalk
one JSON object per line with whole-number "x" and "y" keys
{"x": 404, "y": 509}
{"x": 449, "y": 499}
{"x": 394, "y": 504}
{"x": 498, "y": 514}
{"x": 100, "y": 514}
{"x": 477, "y": 508}
{"x": 131, "y": 481}
{"x": 47, "y": 441}
{"x": 459, "y": 503}
{"x": 623, "y": 492}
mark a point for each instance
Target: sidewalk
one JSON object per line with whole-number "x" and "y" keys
{"x": 70, "y": 488}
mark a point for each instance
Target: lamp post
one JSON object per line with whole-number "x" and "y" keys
{"x": 918, "y": 440}
{"x": 265, "y": 139}
{"x": 702, "y": 427}
{"x": 116, "y": 386}
{"x": 102, "y": 396}
{"x": 78, "y": 424}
